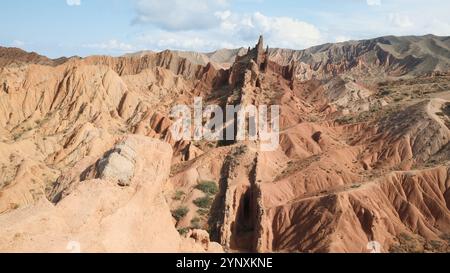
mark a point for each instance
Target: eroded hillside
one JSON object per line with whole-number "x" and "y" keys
{"x": 88, "y": 156}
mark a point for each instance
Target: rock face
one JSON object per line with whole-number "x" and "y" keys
{"x": 88, "y": 159}
{"x": 387, "y": 55}
{"x": 377, "y": 211}
{"x": 100, "y": 216}
{"x": 119, "y": 164}
{"x": 16, "y": 56}
{"x": 201, "y": 238}
{"x": 339, "y": 176}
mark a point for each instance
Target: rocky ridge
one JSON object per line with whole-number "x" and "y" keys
{"x": 363, "y": 156}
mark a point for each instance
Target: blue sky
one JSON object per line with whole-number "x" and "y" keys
{"x": 85, "y": 27}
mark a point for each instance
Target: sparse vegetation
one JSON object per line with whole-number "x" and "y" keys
{"x": 431, "y": 163}
{"x": 208, "y": 187}
{"x": 369, "y": 148}
{"x": 436, "y": 246}
{"x": 180, "y": 213}
{"x": 446, "y": 237}
{"x": 183, "y": 231}
{"x": 407, "y": 244}
{"x": 195, "y": 223}
{"x": 203, "y": 202}
{"x": 178, "y": 195}
{"x": 375, "y": 108}
{"x": 203, "y": 212}
{"x": 385, "y": 83}
{"x": 415, "y": 244}
{"x": 344, "y": 120}
{"x": 385, "y": 92}
{"x": 16, "y": 136}
{"x": 240, "y": 150}
{"x": 6, "y": 183}
{"x": 176, "y": 168}
{"x": 446, "y": 109}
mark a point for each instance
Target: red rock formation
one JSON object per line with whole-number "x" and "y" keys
{"x": 363, "y": 153}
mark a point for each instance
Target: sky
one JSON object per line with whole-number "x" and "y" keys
{"x": 58, "y": 28}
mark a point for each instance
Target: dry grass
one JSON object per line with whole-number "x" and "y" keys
{"x": 415, "y": 244}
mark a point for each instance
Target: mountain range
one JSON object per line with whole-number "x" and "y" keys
{"x": 88, "y": 155}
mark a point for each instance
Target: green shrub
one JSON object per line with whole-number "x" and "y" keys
{"x": 179, "y": 195}
{"x": 208, "y": 187}
{"x": 203, "y": 202}
{"x": 446, "y": 109}
{"x": 240, "y": 150}
{"x": 195, "y": 223}
{"x": 344, "y": 120}
{"x": 203, "y": 212}
{"x": 408, "y": 244}
{"x": 183, "y": 231}
{"x": 436, "y": 246}
{"x": 446, "y": 237}
{"x": 180, "y": 213}
{"x": 385, "y": 92}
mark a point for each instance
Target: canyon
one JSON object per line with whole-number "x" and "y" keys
{"x": 88, "y": 155}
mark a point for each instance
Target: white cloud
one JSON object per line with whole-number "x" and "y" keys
{"x": 111, "y": 45}
{"x": 18, "y": 43}
{"x": 237, "y": 30}
{"x": 374, "y": 2}
{"x": 400, "y": 20}
{"x": 179, "y": 14}
{"x": 73, "y": 2}
{"x": 206, "y": 25}
{"x": 394, "y": 17}
{"x": 278, "y": 31}
{"x": 184, "y": 40}
{"x": 438, "y": 27}
{"x": 342, "y": 38}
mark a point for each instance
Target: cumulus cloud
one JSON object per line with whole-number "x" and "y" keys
{"x": 374, "y": 2}
{"x": 73, "y": 2}
{"x": 400, "y": 20}
{"x": 179, "y": 14}
{"x": 205, "y": 25}
{"x": 111, "y": 45}
{"x": 236, "y": 30}
{"x": 438, "y": 27}
{"x": 185, "y": 40}
{"x": 393, "y": 17}
{"x": 342, "y": 38}
{"x": 279, "y": 31}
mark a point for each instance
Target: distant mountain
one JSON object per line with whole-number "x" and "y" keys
{"x": 221, "y": 58}
{"x": 399, "y": 55}
{"x": 416, "y": 54}
{"x": 396, "y": 55}
{"x": 12, "y": 55}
